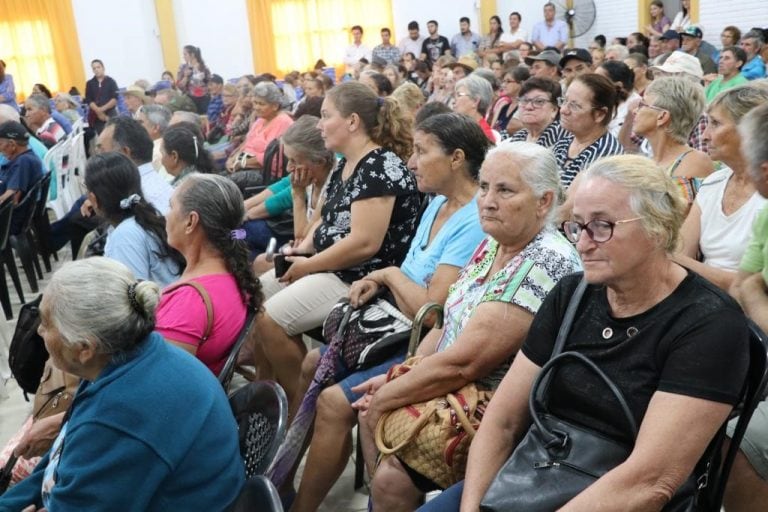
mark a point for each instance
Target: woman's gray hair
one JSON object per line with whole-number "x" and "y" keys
{"x": 739, "y": 100}
{"x": 158, "y": 116}
{"x": 621, "y": 51}
{"x": 753, "y": 129}
{"x": 478, "y": 89}
{"x": 683, "y": 99}
{"x": 305, "y": 138}
{"x": 538, "y": 168}
{"x": 269, "y": 92}
{"x": 40, "y": 101}
{"x": 98, "y": 300}
{"x": 652, "y": 195}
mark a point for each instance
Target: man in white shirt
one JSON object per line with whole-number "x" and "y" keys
{"x": 550, "y": 32}
{"x": 412, "y": 43}
{"x": 357, "y": 50}
{"x": 514, "y": 38}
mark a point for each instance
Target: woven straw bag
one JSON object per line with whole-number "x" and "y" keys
{"x": 433, "y": 437}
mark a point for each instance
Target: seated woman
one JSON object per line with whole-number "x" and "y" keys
{"x": 624, "y": 79}
{"x": 378, "y": 83}
{"x": 268, "y": 214}
{"x": 589, "y": 105}
{"x": 68, "y": 107}
{"x": 131, "y": 437}
{"x": 138, "y": 240}
{"x": 473, "y": 98}
{"x": 271, "y": 122}
{"x": 505, "y": 108}
{"x": 206, "y": 210}
{"x": 666, "y": 115}
{"x": 448, "y": 152}
{"x": 538, "y": 110}
{"x": 218, "y": 130}
{"x": 183, "y": 152}
{"x": 720, "y": 221}
{"x": 487, "y": 311}
{"x": 366, "y": 224}
{"x": 638, "y": 307}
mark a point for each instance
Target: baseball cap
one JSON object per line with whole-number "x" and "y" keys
{"x": 161, "y": 85}
{"x": 550, "y": 56}
{"x": 576, "y": 53}
{"x": 670, "y": 34}
{"x": 692, "y": 31}
{"x": 12, "y": 130}
{"x": 681, "y": 62}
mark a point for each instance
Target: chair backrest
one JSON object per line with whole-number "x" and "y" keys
{"x": 28, "y": 205}
{"x": 261, "y": 413}
{"x": 258, "y": 495}
{"x": 225, "y": 375}
{"x": 42, "y": 196}
{"x": 711, "y": 497}
{"x": 6, "y": 210}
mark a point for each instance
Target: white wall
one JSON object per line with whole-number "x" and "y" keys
{"x": 714, "y": 15}
{"x": 221, "y": 32}
{"x": 124, "y": 35}
{"x": 446, "y": 13}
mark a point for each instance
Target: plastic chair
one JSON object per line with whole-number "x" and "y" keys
{"x": 226, "y": 373}
{"x": 23, "y": 242}
{"x": 258, "y": 495}
{"x": 261, "y": 413}
{"x": 714, "y": 481}
{"x": 6, "y": 210}
{"x": 41, "y": 225}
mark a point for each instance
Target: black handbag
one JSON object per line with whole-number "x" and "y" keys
{"x": 27, "y": 354}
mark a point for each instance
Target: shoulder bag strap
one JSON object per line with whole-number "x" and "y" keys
{"x": 565, "y": 326}
{"x": 208, "y": 305}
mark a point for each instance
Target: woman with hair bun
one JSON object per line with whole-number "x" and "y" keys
{"x": 139, "y": 238}
{"x": 206, "y": 212}
{"x": 149, "y": 428}
{"x": 366, "y": 224}
{"x": 183, "y": 152}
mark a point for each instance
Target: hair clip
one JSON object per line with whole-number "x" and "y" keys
{"x": 194, "y": 139}
{"x": 380, "y": 101}
{"x": 237, "y": 234}
{"x": 128, "y": 202}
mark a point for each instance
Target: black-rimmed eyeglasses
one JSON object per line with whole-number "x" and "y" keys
{"x": 599, "y": 230}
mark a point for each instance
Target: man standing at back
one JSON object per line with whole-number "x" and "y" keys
{"x": 100, "y": 96}
{"x": 550, "y": 32}
{"x": 414, "y": 41}
{"x": 466, "y": 41}
{"x": 357, "y": 50}
{"x": 386, "y": 51}
{"x": 435, "y": 46}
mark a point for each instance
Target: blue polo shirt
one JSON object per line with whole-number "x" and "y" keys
{"x": 20, "y": 174}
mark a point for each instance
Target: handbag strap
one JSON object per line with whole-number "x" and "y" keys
{"x": 535, "y": 398}
{"x": 206, "y": 300}
{"x": 570, "y": 312}
{"x": 417, "y": 426}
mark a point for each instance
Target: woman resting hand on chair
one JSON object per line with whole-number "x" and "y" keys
{"x": 202, "y": 224}
{"x": 448, "y": 152}
{"x": 655, "y": 329}
{"x": 487, "y": 311}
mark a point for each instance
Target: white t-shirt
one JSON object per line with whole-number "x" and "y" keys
{"x": 723, "y": 239}
{"x": 621, "y": 115}
{"x": 680, "y": 21}
{"x": 353, "y": 54}
{"x": 511, "y": 37}
{"x": 409, "y": 45}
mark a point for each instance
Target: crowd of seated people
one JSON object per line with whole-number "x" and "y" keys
{"x": 436, "y": 177}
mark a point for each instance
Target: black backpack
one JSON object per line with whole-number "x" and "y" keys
{"x": 27, "y": 355}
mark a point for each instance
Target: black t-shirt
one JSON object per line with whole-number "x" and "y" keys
{"x": 380, "y": 173}
{"x": 695, "y": 343}
{"x": 434, "y": 48}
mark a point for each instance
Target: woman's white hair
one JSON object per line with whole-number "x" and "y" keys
{"x": 98, "y": 300}
{"x": 683, "y": 99}
{"x": 538, "y": 168}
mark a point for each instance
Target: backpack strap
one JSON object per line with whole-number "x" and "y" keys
{"x": 208, "y": 305}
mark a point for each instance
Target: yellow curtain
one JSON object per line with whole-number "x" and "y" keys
{"x": 294, "y": 34}
{"x": 166, "y": 22}
{"x": 39, "y": 45}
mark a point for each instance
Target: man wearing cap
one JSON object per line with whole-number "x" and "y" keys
{"x": 669, "y": 42}
{"x": 38, "y": 116}
{"x": 462, "y": 67}
{"x": 752, "y": 42}
{"x": 550, "y": 32}
{"x": 412, "y": 43}
{"x": 216, "y": 105}
{"x": 22, "y": 170}
{"x": 545, "y": 65}
{"x": 575, "y": 62}
{"x": 691, "y": 44}
{"x": 435, "y": 46}
{"x": 732, "y": 59}
{"x": 135, "y": 97}
{"x": 465, "y": 42}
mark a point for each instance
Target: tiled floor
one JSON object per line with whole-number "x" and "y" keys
{"x": 14, "y": 410}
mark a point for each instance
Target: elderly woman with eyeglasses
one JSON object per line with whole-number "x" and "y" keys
{"x": 643, "y": 320}
{"x": 538, "y": 107}
{"x": 473, "y": 96}
{"x": 506, "y": 106}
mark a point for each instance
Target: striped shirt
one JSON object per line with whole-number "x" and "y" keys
{"x": 607, "y": 145}
{"x": 547, "y": 138}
